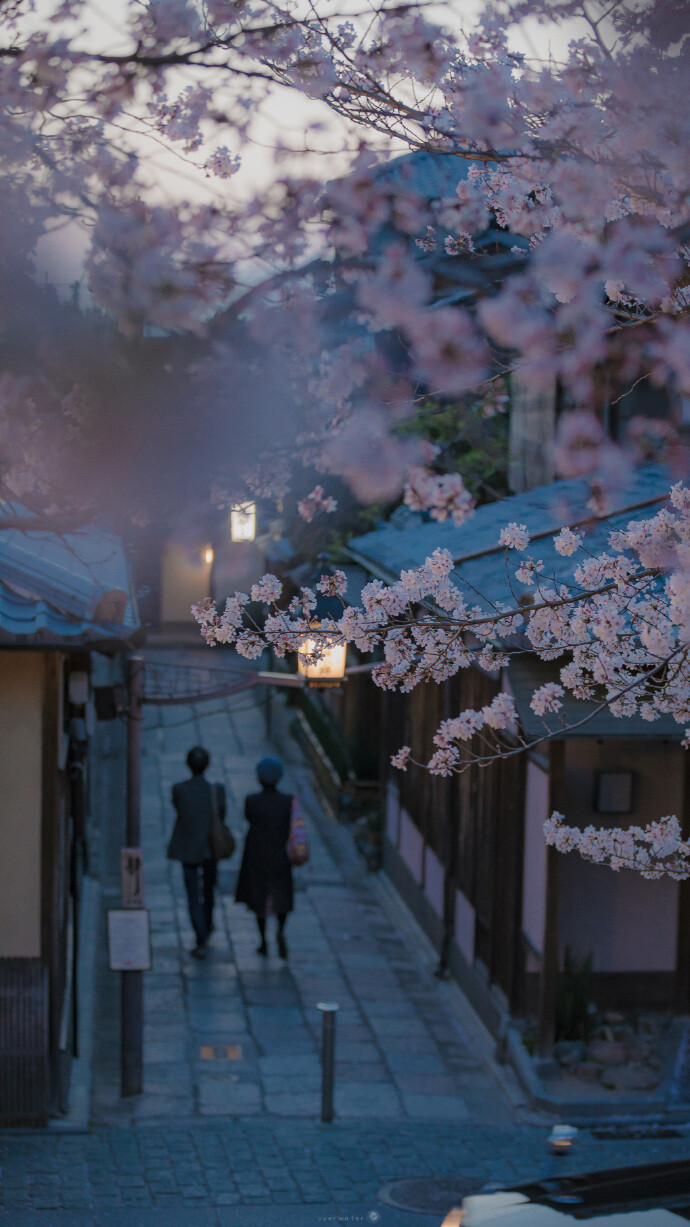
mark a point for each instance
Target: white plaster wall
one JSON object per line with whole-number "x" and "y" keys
{"x": 464, "y": 926}
{"x": 411, "y": 845}
{"x": 393, "y": 813}
{"x": 629, "y": 923}
{"x": 534, "y": 865}
{"x": 21, "y": 702}
{"x": 433, "y": 881}
{"x": 185, "y": 579}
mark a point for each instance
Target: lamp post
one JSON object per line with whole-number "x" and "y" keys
{"x": 132, "y": 990}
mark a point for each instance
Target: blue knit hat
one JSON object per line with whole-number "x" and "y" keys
{"x": 269, "y": 770}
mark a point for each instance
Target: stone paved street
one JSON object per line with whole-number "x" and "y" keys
{"x": 266, "y": 1172}
{"x": 239, "y": 1035}
{"x": 227, "y": 1133}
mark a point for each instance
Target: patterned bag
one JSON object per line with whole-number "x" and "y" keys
{"x": 297, "y": 844}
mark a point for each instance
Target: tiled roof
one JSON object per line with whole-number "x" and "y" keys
{"x": 431, "y": 175}
{"x": 481, "y": 574}
{"x": 480, "y": 562}
{"x": 51, "y": 585}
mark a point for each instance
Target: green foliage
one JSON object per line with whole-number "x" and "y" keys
{"x": 573, "y": 1016}
{"x": 472, "y": 435}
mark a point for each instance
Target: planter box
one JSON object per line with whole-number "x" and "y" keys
{"x": 661, "y": 1105}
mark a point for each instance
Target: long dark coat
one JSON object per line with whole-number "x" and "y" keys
{"x": 191, "y": 838}
{"x": 265, "y": 878}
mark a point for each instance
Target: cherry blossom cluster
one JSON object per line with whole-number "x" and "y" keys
{"x": 443, "y": 495}
{"x": 653, "y": 851}
{"x": 581, "y": 159}
{"x": 315, "y": 502}
{"x": 514, "y": 536}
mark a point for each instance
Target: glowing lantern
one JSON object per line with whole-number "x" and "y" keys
{"x": 208, "y": 555}
{"x": 328, "y": 670}
{"x": 243, "y": 522}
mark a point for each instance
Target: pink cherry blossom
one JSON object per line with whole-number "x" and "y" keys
{"x": 500, "y": 712}
{"x": 333, "y": 585}
{"x": 567, "y": 541}
{"x": 222, "y": 163}
{"x": 656, "y": 850}
{"x": 400, "y": 759}
{"x": 448, "y": 350}
{"x": 444, "y": 496}
{"x": 268, "y": 590}
{"x": 514, "y": 536}
{"x": 528, "y": 569}
{"x": 548, "y": 698}
{"x": 315, "y": 502}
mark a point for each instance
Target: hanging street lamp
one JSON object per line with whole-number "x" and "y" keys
{"x": 328, "y": 669}
{"x": 243, "y": 522}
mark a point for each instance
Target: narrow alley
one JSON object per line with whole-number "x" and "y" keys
{"x": 227, "y": 1131}
{"x": 400, "y": 1052}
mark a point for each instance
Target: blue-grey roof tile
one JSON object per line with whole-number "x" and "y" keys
{"x": 51, "y": 583}
{"x": 480, "y": 562}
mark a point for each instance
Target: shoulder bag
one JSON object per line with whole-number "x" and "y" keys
{"x": 297, "y": 844}
{"x": 222, "y": 839}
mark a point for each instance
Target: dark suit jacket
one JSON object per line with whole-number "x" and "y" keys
{"x": 190, "y": 840}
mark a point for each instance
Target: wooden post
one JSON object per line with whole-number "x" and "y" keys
{"x": 132, "y": 995}
{"x": 450, "y": 868}
{"x": 681, "y": 996}
{"x": 449, "y": 883}
{"x": 548, "y": 985}
{"x": 54, "y": 934}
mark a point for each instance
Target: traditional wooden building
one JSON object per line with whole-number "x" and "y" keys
{"x": 61, "y": 599}
{"x": 468, "y": 853}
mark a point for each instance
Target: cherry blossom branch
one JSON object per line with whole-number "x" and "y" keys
{"x": 653, "y": 851}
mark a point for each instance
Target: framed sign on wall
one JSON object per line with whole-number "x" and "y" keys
{"x": 614, "y": 792}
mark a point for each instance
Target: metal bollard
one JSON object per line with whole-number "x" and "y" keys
{"x": 559, "y": 1142}
{"x": 328, "y": 1012}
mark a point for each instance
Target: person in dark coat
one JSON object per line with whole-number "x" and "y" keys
{"x": 265, "y": 877}
{"x": 190, "y": 843}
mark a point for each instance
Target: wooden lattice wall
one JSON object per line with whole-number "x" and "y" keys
{"x": 23, "y": 1043}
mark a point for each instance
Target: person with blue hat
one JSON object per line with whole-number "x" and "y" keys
{"x": 264, "y": 883}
